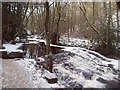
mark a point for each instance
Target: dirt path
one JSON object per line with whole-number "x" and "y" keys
{"x": 14, "y": 76}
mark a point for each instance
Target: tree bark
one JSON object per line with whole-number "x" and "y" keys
{"x": 4, "y": 21}
{"x": 117, "y": 25}
{"x": 48, "y": 49}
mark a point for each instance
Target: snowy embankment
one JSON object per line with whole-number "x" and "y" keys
{"x": 89, "y": 54}
{"x": 74, "y": 67}
{"x": 77, "y": 68}
{"x": 87, "y": 68}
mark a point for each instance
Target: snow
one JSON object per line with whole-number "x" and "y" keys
{"x": 73, "y": 71}
{"x": 75, "y": 42}
{"x": 55, "y": 85}
{"x": 41, "y": 59}
{"x": 85, "y": 61}
{"x": 33, "y": 38}
{"x": 1, "y": 74}
{"x": 17, "y": 39}
{"x": 12, "y": 48}
{"x": 3, "y": 50}
{"x": 48, "y": 74}
{"x": 80, "y": 66}
{"x": 41, "y": 40}
{"x": 113, "y": 62}
{"x": 118, "y": 46}
{"x": 83, "y": 68}
{"x": 17, "y": 50}
{"x": 43, "y": 83}
{"x": 85, "y": 52}
{"x": 28, "y": 32}
{"x": 32, "y": 42}
{"x": 35, "y": 75}
{"x": 93, "y": 84}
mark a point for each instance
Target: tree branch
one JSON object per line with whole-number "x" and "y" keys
{"x": 93, "y": 28}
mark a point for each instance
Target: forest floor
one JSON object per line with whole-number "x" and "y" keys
{"x": 14, "y": 76}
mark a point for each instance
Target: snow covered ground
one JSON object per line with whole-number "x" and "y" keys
{"x": 0, "y": 74}
{"x": 75, "y": 67}
{"x": 29, "y": 65}
{"x": 75, "y": 42}
{"x": 87, "y": 68}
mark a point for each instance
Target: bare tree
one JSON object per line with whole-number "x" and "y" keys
{"x": 48, "y": 49}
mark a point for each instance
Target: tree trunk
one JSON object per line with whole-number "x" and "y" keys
{"x": 117, "y": 25}
{"x": 57, "y": 29}
{"x": 4, "y": 21}
{"x": 48, "y": 50}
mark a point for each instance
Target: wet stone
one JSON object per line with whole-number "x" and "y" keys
{"x": 87, "y": 75}
{"x": 110, "y": 65}
{"x": 75, "y": 85}
{"x": 102, "y": 80}
{"x": 113, "y": 84}
{"x": 51, "y": 80}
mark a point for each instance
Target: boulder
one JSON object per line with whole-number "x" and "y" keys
{"x": 74, "y": 84}
{"x": 51, "y": 80}
{"x": 87, "y": 75}
{"x": 101, "y": 80}
{"x": 113, "y": 84}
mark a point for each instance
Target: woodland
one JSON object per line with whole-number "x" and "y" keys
{"x": 65, "y": 44}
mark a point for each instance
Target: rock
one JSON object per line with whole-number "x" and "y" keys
{"x": 41, "y": 64}
{"x": 101, "y": 70}
{"x": 114, "y": 70}
{"x": 62, "y": 89}
{"x": 3, "y": 54}
{"x": 110, "y": 65}
{"x": 50, "y": 77}
{"x": 51, "y": 80}
{"x": 87, "y": 75}
{"x": 16, "y": 55}
{"x": 102, "y": 80}
{"x": 75, "y": 85}
{"x": 113, "y": 84}
{"x": 67, "y": 78}
{"x": 71, "y": 54}
{"x": 68, "y": 64}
